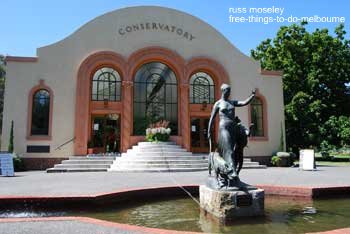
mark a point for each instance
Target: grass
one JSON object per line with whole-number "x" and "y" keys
{"x": 330, "y": 163}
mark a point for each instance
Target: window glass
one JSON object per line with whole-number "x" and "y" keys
{"x": 40, "y": 113}
{"x": 106, "y": 85}
{"x": 155, "y": 97}
{"x": 257, "y": 117}
{"x": 202, "y": 88}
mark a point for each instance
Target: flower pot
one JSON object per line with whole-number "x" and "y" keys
{"x": 90, "y": 150}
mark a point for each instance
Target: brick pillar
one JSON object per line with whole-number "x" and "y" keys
{"x": 184, "y": 116}
{"x": 127, "y": 115}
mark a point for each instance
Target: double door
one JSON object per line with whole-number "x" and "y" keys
{"x": 106, "y": 133}
{"x": 199, "y": 134}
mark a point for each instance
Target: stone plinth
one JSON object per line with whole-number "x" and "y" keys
{"x": 226, "y": 205}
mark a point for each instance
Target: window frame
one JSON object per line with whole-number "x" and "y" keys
{"x": 171, "y": 82}
{"x": 265, "y": 136}
{"x": 118, "y": 84}
{"x": 212, "y": 87}
{"x": 33, "y": 91}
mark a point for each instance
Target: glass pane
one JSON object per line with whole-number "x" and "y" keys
{"x": 195, "y": 133}
{"x": 40, "y": 113}
{"x": 106, "y": 84}
{"x": 155, "y": 97}
{"x": 257, "y": 117}
{"x": 202, "y": 88}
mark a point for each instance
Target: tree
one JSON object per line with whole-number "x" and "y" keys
{"x": 2, "y": 87}
{"x": 10, "y": 147}
{"x": 316, "y": 77}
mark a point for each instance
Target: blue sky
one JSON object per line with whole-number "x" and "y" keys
{"x": 29, "y": 24}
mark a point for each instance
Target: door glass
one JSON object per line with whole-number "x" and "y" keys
{"x": 195, "y": 132}
{"x": 205, "y": 132}
{"x": 106, "y": 133}
{"x": 98, "y": 130}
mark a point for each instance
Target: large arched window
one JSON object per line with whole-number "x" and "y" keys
{"x": 155, "y": 97}
{"x": 257, "y": 117}
{"x": 40, "y": 113}
{"x": 106, "y": 85}
{"x": 202, "y": 88}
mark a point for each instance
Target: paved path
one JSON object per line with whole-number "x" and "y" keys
{"x": 40, "y": 183}
{"x": 74, "y": 225}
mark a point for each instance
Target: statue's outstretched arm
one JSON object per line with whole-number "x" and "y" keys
{"x": 247, "y": 101}
{"x": 212, "y": 117}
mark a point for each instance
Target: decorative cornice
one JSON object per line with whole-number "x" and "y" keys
{"x": 21, "y": 59}
{"x": 271, "y": 73}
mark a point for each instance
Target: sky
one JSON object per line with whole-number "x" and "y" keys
{"x": 29, "y": 24}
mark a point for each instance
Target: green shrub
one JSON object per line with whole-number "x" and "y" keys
{"x": 157, "y": 137}
{"x": 18, "y": 163}
{"x": 10, "y": 146}
{"x": 275, "y": 160}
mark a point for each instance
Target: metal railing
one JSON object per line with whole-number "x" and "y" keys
{"x": 65, "y": 143}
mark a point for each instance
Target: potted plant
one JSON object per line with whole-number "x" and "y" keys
{"x": 158, "y": 131}
{"x": 90, "y": 147}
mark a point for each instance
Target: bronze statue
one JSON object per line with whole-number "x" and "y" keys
{"x": 231, "y": 141}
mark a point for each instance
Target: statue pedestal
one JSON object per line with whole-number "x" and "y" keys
{"x": 227, "y": 204}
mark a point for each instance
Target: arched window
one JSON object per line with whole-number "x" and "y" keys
{"x": 202, "y": 88}
{"x": 155, "y": 97}
{"x": 106, "y": 85}
{"x": 40, "y": 113}
{"x": 257, "y": 117}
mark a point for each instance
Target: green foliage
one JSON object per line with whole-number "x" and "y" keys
{"x": 316, "y": 77}
{"x": 90, "y": 144}
{"x": 11, "y": 146}
{"x": 2, "y": 86}
{"x": 335, "y": 130}
{"x": 157, "y": 137}
{"x": 275, "y": 160}
{"x": 281, "y": 147}
{"x": 18, "y": 163}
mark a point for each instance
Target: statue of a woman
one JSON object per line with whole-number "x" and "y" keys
{"x": 227, "y": 127}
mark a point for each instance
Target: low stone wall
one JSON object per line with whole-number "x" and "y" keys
{"x": 41, "y": 163}
{"x": 264, "y": 160}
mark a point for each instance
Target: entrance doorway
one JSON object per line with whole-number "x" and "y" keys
{"x": 199, "y": 134}
{"x": 105, "y": 133}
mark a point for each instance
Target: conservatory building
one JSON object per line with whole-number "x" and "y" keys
{"x": 126, "y": 69}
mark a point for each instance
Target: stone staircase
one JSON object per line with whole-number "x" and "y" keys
{"x": 90, "y": 163}
{"x": 159, "y": 157}
{"x": 144, "y": 157}
{"x": 164, "y": 157}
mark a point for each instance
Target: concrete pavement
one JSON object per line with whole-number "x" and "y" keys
{"x": 39, "y": 183}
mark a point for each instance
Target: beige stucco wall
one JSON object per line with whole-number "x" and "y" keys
{"x": 58, "y": 65}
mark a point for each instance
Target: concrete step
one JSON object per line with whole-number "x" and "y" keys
{"x": 175, "y": 162}
{"x": 157, "y": 149}
{"x": 166, "y": 143}
{"x": 92, "y": 157}
{"x": 161, "y": 161}
{"x": 158, "y": 169}
{"x": 87, "y": 161}
{"x": 160, "y": 164}
{"x": 131, "y": 157}
{"x": 60, "y": 166}
{"x": 159, "y": 154}
{"x": 56, "y": 170}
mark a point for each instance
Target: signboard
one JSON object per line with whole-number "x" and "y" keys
{"x": 244, "y": 200}
{"x": 6, "y": 165}
{"x": 307, "y": 160}
{"x": 96, "y": 127}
